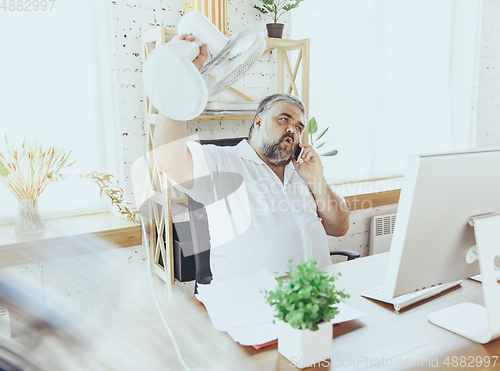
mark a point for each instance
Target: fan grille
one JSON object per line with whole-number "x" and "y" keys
{"x": 238, "y": 56}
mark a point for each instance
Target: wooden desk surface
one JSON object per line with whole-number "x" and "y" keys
{"x": 405, "y": 340}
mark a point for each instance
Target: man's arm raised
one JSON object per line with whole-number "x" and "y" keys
{"x": 171, "y": 153}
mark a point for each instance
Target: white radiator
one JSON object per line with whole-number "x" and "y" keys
{"x": 381, "y": 231}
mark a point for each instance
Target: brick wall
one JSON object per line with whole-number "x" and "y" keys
{"x": 129, "y": 18}
{"x": 486, "y": 110}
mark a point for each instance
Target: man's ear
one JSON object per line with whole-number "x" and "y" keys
{"x": 258, "y": 122}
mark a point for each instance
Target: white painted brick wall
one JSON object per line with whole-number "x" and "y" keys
{"x": 487, "y": 109}
{"x": 129, "y": 17}
{"x": 358, "y": 237}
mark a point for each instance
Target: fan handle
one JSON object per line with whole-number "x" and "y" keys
{"x": 186, "y": 49}
{"x": 204, "y": 31}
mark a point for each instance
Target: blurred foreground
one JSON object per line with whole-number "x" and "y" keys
{"x": 79, "y": 306}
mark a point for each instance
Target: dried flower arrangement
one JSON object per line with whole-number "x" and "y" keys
{"x": 27, "y": 171}
{"x": 114, "y": 192}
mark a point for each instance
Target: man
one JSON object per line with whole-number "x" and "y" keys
{"x": 281, "y": 209}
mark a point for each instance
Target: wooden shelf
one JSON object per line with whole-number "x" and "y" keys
{"x": 154, "y": 34}
{"x": 152, "y": 118}
{"x": 223, "y": 117}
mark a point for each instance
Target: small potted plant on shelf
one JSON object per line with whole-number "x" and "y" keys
{"x": 275, "y": 9}
{"x": 305, "y": 304}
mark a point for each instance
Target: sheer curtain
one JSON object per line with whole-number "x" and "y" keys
{"x": 390, "y": 78}
{"x": 55, "y": 88}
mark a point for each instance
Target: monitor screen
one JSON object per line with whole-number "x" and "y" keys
{"x": 432, "y": 235}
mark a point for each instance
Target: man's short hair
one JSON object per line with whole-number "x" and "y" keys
{"x": 269, "y": 101}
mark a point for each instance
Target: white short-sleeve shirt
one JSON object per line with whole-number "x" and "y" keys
{"x": 255, "y": 220}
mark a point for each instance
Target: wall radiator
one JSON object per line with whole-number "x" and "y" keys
{"x": 381, "y": 231}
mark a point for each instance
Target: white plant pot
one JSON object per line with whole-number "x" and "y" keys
{"x": 304, "y": 348}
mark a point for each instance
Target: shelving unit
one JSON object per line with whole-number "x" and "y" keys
{"x": 160, "y": 225}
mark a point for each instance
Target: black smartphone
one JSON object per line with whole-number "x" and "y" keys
{"x": 298, "y": 152}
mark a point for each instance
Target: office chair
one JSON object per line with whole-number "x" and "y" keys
{"x": 201, "y": 243}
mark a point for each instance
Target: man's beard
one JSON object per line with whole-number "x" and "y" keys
{"x": 273, "y": 152}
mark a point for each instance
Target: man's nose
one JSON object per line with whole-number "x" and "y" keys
{"x": 291, "y": 129}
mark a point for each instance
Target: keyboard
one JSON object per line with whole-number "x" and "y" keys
{"x": 403, "y": 301}
{"x": 479, "y": 277}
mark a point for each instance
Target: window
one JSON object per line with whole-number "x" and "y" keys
{"x": 390, "y": 78}
{"x": 56, "y": 88}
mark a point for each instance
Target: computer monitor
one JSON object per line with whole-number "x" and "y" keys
{"x": 432, "y": 236}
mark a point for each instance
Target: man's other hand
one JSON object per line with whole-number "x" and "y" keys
{"x": 202, "y": 56}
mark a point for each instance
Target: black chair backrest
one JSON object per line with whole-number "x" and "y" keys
{"x": 201, "y": 241}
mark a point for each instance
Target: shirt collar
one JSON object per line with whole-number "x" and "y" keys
{"x": 289, "y": 171}
{"x": 246, "y": 152}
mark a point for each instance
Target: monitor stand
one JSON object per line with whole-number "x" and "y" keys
{"x": 473, "y": 321}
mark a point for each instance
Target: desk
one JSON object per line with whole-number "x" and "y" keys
{"x": 384, "y": 333}
{"x": 398, "y": 337}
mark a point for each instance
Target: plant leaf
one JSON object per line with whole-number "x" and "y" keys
{"x": 330, "y": 153}
{"x": 322, "y": 133}
{"x": 262, "y": 10}
{"x": 312, "y": 303}
{"x": 320, "y": 145}
{"x": 313, "y": 126}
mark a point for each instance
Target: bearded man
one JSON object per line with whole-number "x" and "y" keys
{"x": 264, "y": 207}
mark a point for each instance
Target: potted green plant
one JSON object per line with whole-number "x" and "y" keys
{"x": 275, "y": 9}
{"x": 305, "y": 304}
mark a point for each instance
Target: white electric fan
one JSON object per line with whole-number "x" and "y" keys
{"x": 173, "y": 83}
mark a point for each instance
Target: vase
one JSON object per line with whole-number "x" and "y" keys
{"x": 275, "y": 30}
{"x": 28, "y": 218}
{"x": 304, "y": 348}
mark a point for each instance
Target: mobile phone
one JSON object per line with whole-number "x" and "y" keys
{"x": 298, "y": 153}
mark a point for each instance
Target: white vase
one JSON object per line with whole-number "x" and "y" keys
{"x": 304, "y": 348}
{"x": 28, "y": 218}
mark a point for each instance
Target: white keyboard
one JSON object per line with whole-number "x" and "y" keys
{"x": 403, "y": 301}
{"x": 480, "y": 277}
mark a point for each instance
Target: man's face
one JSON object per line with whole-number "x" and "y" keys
{"x": 280, "y": 130}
